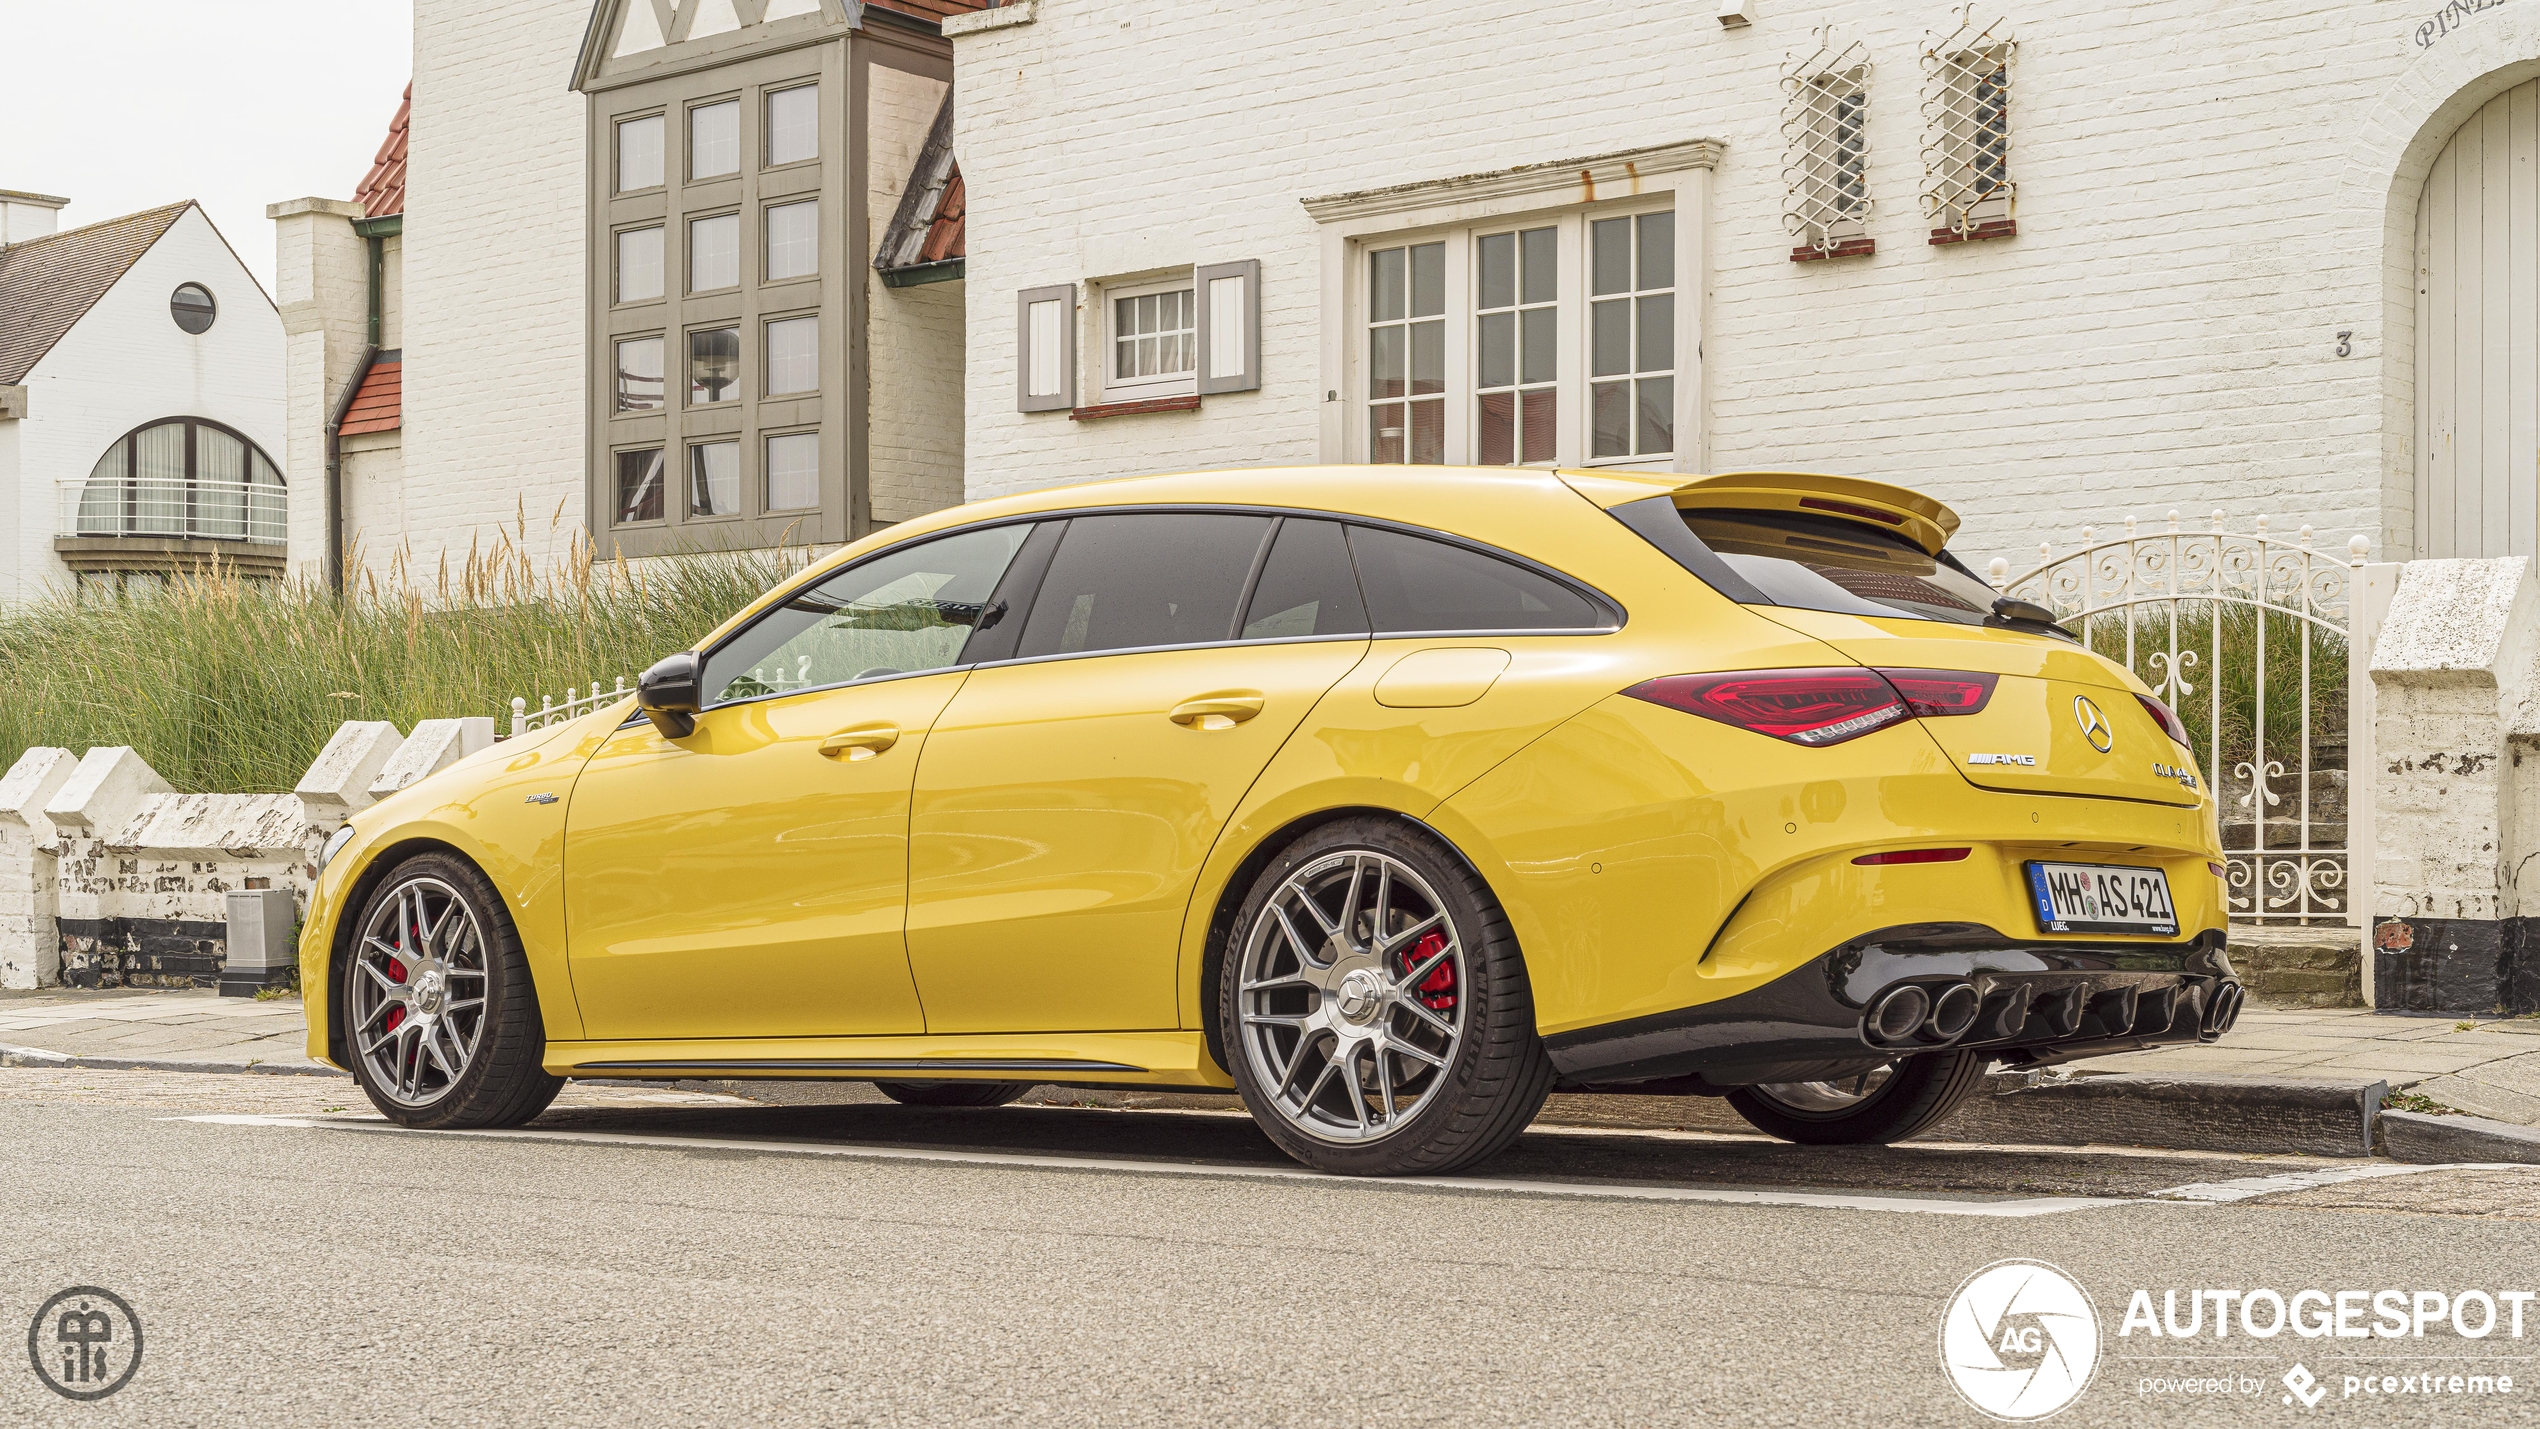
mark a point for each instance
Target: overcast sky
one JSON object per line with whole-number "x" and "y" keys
{"x": 121, "y": 105}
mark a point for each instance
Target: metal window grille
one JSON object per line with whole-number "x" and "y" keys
{"x": 1826, "y": 155}
{"x": 1967, "y": 127}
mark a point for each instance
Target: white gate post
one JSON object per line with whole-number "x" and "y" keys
{"x": 2370, "y": 586}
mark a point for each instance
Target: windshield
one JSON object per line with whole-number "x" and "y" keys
{"x": 1818, "y": 563}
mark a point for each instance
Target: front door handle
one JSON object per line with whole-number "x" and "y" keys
{"x": 861, "y": 741}
{"x": 1223, "y": 710}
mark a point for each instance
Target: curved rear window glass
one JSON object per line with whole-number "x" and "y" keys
{"x": 1416, "y": 584}
{"x": 1816, "y": 563}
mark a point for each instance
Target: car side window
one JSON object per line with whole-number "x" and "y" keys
{"x": 900, "y": 613}
{"x": 1143, "y": 579}
{"x": 1414, "y": 584}
{"x": 1306, "y": 588}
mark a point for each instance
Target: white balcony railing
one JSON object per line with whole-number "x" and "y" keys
{"x": 202, "y": 510}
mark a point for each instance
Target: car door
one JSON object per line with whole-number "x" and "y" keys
{"x": 750, "y": 879}
{"x": 1068, "y": 798}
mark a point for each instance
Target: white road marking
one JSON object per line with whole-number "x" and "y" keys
{"x": 1584, "y": 1190}
{"x": 2214, "y": 1193}
{"x": 37, "y": 1053}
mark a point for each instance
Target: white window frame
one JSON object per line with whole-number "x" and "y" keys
{"x": 1116, "y": 388}
{"x": 1674, "y": 176}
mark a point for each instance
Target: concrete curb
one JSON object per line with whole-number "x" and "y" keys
{"x": 2313, "y": 1116}
{"x": 2439, "y": 1140}
{"x": 38, "y": 1057}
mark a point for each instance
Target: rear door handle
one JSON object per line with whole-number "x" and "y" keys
{"x": 1222, "y": 710}
{"x": 861, "y": 741}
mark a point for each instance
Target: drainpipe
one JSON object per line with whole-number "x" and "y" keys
{"x": 375, "y": 231}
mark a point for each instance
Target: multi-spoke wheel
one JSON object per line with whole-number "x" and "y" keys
{"x": 1374, "y": 1006}
{"x": 439, "y": 1014}
{"x": 1885, "y": 1103}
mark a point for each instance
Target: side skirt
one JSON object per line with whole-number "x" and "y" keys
{"x": 1162, "y": 1059}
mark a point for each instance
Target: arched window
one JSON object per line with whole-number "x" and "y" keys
{"x": 183, "y": 477}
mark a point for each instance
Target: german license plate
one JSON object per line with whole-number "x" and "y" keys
{"x": 2102, "y": 898}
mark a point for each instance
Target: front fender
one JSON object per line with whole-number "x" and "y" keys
{"x": 492, "y": 810}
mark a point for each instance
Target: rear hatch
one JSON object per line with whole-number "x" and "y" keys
{"x": 1864, "y": 567}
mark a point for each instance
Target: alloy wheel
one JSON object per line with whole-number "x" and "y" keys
{"x": 1352, "y": 996}
{"x": 417, "y": 998}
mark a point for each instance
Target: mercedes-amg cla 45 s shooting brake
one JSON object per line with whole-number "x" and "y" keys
{"x": 1393, "y": 800}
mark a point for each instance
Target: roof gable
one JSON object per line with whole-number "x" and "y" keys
{"x": 637, "y": 38}
{"x": 929, "y": 225}
{"x": 48, "y": 284}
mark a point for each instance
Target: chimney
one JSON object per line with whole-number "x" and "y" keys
{"x": 24, "y": 216}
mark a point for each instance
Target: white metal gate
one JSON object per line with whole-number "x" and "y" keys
{"x": 2478, "y": 336}
{"x": 2246, "y": 637}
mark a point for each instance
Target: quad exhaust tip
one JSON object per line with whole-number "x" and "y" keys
{"x": 1897, "y": 1015}
{"x": 1910, "y": 1015}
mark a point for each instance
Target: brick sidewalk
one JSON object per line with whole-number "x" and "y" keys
{"x": 2492, "y": 1069}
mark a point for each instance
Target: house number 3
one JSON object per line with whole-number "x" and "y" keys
{"x": 2345, "y": 343}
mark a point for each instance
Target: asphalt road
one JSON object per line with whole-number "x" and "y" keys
{"x": 660, "y": 1258}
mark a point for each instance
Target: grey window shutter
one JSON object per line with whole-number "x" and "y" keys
{"x": 1045, "y": 348}
{"x": 1229, "y": 333}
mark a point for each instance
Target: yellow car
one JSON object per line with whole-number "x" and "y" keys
{"x": 1391, "y": 799}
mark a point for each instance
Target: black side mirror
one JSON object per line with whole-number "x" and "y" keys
{"x": 667, "y": 693}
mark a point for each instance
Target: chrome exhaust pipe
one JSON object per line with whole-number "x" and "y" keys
{"x": 1952, "y": 1014}
{"x": 1896, "y": 1015}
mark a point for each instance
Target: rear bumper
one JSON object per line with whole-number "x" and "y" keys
{"x": 2038, "y": 1003}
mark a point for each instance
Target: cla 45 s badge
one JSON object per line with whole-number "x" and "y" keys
{"x": 2186, "y": 777}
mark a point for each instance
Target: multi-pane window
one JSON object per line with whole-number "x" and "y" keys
{"x": 714, "y": 252}
{"x": 639, "y": 385}
{"x": 714, "y": 479}
{"x": 793, "y": 241}
{"x": 639, "y": 153}
{"x": 793, "y": 471}
{"x": 793, "y": 356}
{"x": 1550, "y": 341}
{"x": 1826, "y": 153}
{"x": 1154, "y": 339}
{"x": 1406, "y": 354}
{"x": 714, "y": 365}
{"x": 639, "y": 485}
{"x": 638, "y": 265}
{"x": 1631, "y": 336}
{"x": 793, "y": 125}
{"x": 1967, "y": 187}
{"x": 714, "y": 140}
{"x": 1517, "y": 345}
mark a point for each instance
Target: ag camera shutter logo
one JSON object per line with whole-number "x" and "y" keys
{"x": 2020, "y": 1340}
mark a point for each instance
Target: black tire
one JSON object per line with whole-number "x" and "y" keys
{"x": 1917, "y": 1094}
{"x": 952, "y": 1093}
{"x": 503, "y": 1081}
{"x": 1496, "y": 1073}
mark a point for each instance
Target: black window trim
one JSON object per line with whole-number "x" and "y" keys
{"x": 1021, "y": 608}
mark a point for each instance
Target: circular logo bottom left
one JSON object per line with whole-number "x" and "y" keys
{"x": 85, "y": 1343}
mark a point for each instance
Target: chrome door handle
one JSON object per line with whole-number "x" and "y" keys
{"x": 1223, "y": 710}
{"x": 862, "y": 741}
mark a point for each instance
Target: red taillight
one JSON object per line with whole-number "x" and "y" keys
{"x": 2168, "y": 722}
{"x": 2218, "y": 871}
{"x": 1811, "y": 707}
{"x": 1942, "y": 692}
{"x": 1819, "y": 707}
{"x": 1819, "y": 503}
{"x": 1913, "y": 855}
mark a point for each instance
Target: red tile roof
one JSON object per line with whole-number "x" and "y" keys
{"x": 382, "y": 191}
{"x": 948, "y": 235}
{"x": 379, "y": 405}
{"x": 49, "y": 283}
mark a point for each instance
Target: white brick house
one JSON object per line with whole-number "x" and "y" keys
{"x": 2190, "y": 283}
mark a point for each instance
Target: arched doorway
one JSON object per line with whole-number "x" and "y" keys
{"x": 2478, "y": 336}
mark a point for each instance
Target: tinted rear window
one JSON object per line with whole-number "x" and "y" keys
{"x": 1129, "y": 582}
{"x": 1416, "y": 584}
{"x": 1816, "y": 563}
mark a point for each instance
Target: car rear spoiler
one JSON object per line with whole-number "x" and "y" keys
{"x": 1876, "y": 504}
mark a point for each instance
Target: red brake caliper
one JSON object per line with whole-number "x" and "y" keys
{"x": 1437, "y": 990}
{"x": 396, "y": 1015}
